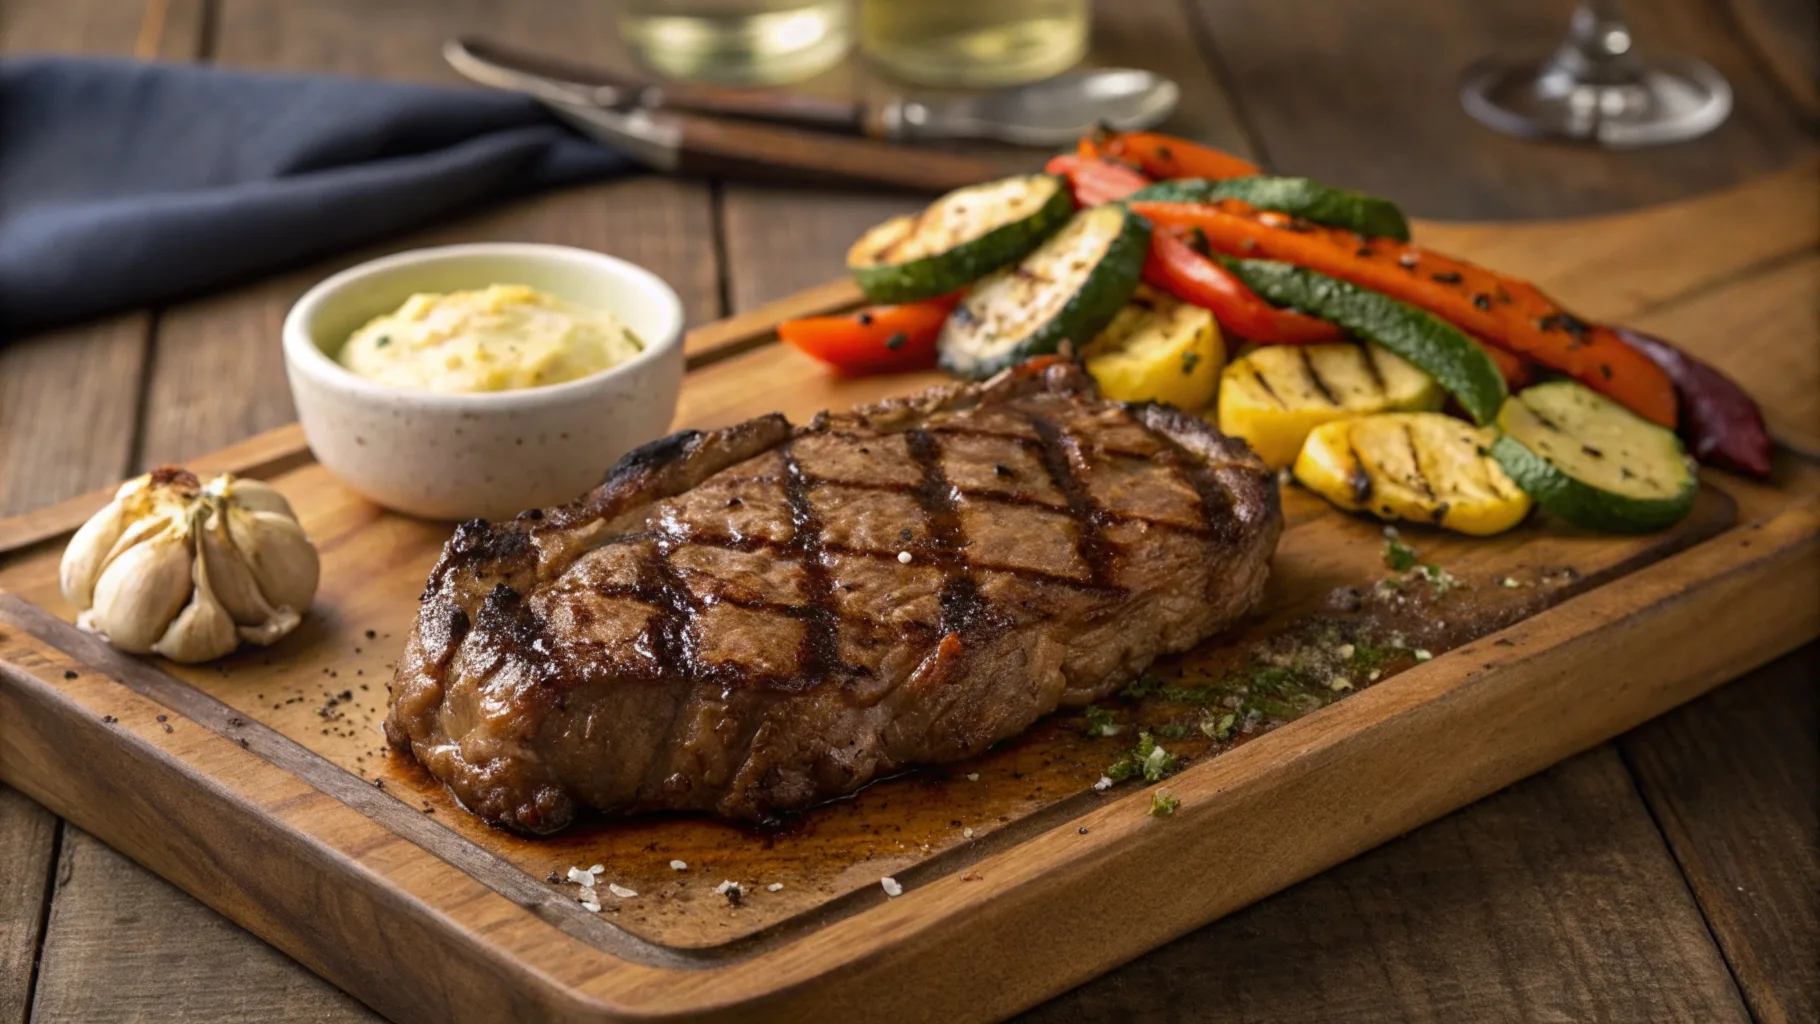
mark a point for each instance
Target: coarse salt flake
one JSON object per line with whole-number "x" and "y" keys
{"x": 775, "y": 887}
{"x": 1421, "y": 654}
{"x": 580, "y": 877}
{"x": 679, "y": 865}
{"x": 621, "y": 891}
{"x": 903, "y": 557}
{"x": 590, "y": 906}
{"x": 973, "y": 776}
{"x": 966, "y": 833}
{"x": 1104, "y": 784}
{"x": 726, "y": 887}
{"x": 596, "y": 869}
{"x": 891, "y": 887}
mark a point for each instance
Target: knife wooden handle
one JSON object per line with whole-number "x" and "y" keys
{"x": 736, "y": 148}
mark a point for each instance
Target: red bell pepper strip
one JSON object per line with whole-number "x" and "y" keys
{"x": 1174, "y": 266}
{"x": 1096, "y": 181}
{"x": 1165, "y": 156}
{"x": 1720, "y": 423}
{"x": 877, "y": 339}
{"x": 1507, "y": 312}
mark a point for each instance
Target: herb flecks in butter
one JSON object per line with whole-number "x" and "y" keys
{"x": 500, "y": 338}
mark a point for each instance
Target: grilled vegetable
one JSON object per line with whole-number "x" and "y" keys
{"x": 1719, "y": 421}
{"x": 1158, "y": 348}
{"x": 1095, "y": 181}
{"x": 1422, "y": 466}
{"x": 1165, "y": 156}
{"x": 1505, "y": 311}
{"x": 959, "y": 238}
{"x": 1453, "y": 359}
{"x": 1067, "y": 290}
{"x": 1302, "y": 198}
{"x": 1593, "y": 462}
{"x": 1176, "y": 268}
{"x": 878, "y": 339}
{"x": 1274, "y": 396}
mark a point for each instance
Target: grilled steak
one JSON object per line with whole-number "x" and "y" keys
{"x": 761, "y": 617}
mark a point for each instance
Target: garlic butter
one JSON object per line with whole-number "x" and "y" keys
{"x": 499, "y": 338}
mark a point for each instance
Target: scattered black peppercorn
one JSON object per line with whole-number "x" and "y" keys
{"x": 896, "y": 341}
{"x": 1446, "y": 277}
{"x": 864, "y": 318}
{"x": 1481, "y": 302}
{"x": 69, "y": 673}
{"x": 1002, "y": 470}
{"x": 371, "y": 634}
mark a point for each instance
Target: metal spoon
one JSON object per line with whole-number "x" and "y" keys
{"x": 1047, "y": 113}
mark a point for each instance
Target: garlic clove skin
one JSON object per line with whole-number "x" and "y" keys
{"x": 202, "y": 631}
{"x": 87, "y": 554}
{"x": 252, "y": 495}
{"x": 279, "y": 555}
{"x": 143, "y": 588}
{"x": 228, "y": 574}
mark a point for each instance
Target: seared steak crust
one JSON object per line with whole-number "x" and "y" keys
{"x": 761, "y": 617}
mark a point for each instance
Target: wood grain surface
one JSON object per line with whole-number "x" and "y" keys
{"x": 725, "y": 252}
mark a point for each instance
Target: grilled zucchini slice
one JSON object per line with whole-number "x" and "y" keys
{"x": 959, "y": 238}
{"x": 1275, "y": 395}
{"x": 1158, "y": 349}
{"x": 1067, "y": 290}
{"x": 1421, "y": 466}
{"x": 1592, "y": 462}
{"x": 1428, "y": 341}
{"x": 1305, "y": 198}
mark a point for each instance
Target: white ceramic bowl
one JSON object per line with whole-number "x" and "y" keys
{"x": 495, "y": 454}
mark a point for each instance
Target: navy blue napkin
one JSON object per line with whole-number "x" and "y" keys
{"x": 124, "y": 184}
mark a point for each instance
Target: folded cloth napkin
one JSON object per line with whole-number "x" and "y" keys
{"x": 124, "y": 184}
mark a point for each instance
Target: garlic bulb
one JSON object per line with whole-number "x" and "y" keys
{"x": 188, "y": 570}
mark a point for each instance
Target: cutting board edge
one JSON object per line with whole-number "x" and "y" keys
{"x": 1754, "y": 572}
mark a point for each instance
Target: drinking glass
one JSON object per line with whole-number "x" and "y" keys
{"x": 738, "y": 42}
{"x": 973, "y": 44}
{"x": 1596, "y": 88}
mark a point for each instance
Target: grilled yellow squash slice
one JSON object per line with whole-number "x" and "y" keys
{"x": 1158, "y": 348}
{"x": 1420, "y": 466}
{"x": 1274, "y": 395}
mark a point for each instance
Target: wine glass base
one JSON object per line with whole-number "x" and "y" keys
{"x": 1672, "y": 98}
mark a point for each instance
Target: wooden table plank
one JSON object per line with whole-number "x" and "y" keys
{"x": 1731, "y": 780}
{"x": 1554, "y": 900}
{"x": 123, "y": 945}
{"x": 1784, "y": 34}
{"x": 28, "y": 842}
{"x": 1378, "y": 78}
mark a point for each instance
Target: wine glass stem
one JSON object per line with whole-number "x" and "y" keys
{"x": 1598, "y": 47}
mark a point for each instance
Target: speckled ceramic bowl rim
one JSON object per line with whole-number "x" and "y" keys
{"x": 308, "y": 357}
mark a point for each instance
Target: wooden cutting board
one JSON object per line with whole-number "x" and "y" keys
{"x": 263, "y": 786}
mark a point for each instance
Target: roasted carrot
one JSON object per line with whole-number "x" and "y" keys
{"x": 1165, "y": 156}
{"x": 1509, "y": 313}
{"x": 877, "y": 339}
{"x": 1095, "y": 181}
{"x": 1175, "y": 267}
{"x": 1517, "y": 371}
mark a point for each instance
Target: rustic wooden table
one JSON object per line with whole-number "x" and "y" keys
{"x": 1673, "y": 874}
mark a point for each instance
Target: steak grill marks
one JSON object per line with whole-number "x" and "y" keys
{"x": 1059, "y": 451}
{"x": 820, "y": 646}
{"x": 961, "y": 603}
{"x": 661, "y": 588}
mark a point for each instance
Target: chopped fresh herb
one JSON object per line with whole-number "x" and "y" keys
{"x": 896, "y": 340}
{"x": 1399, "y": 556}
{"x": 1218, "y": 728}
{"x": 1147, "y": 759}
{"x": 1162, "y": 805}
{"x": 1422, "y": 654}
{"x": 1442, "y": 579}
{"x": 382, "y": 341}
{"x": 1180, "y": 729}
{"x": 1101, "y": 722}
{"x": 1190, "y": 360}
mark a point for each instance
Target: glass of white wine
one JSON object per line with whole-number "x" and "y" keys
{"x": 973, "y": 44}
{"x": 738, "y": 42}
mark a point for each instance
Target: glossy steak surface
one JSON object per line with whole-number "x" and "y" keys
{"x": 758, "y": 618}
